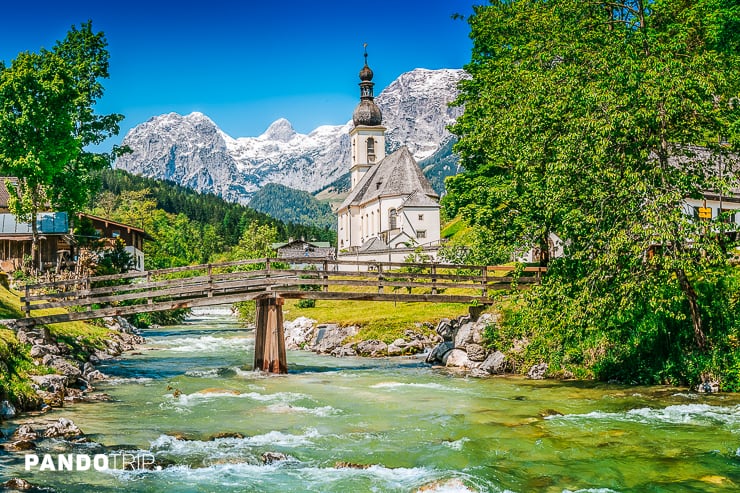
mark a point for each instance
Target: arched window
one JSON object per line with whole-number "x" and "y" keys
{"x": 370, "y": 150}
{"x": 392, "y": 219}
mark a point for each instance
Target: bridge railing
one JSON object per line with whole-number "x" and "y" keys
{"x": 300, "y": 277}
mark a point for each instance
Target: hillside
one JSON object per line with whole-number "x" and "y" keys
{"x": 228, "y": 220}
{"x": 293, "y": 206}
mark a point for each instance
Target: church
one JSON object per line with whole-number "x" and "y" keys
{"x": 391, "y": 209}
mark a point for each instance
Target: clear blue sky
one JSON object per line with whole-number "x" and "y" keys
{"x": 246, "y": 63}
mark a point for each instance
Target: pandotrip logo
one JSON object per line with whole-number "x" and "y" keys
{"x": 99, "y": 462}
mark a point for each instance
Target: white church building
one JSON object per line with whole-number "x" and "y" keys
{"x": 391, "y": 209}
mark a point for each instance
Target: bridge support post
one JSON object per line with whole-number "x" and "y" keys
{"x": 269, "y": 336}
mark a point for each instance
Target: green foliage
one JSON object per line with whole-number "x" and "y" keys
{"x": 47, "y": 121}
{"x": 582, "y": 120}
{"x": 228, "y": 220}
{"x": 293, "y": 206}
{"x": 246, "y": 312}
{"x": 115, "y": 261}
{"x": 169, "y": 317}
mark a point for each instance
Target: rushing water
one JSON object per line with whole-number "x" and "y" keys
{"x": 416, "y": 428}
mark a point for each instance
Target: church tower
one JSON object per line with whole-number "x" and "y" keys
{"x": 368, "y": 135}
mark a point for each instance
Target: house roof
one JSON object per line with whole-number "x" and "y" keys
{"x": 315, "y": 244}
{"x": 397, "y": 174}
{"x": 110, "y": 222}
{"x": 48, "y": 223}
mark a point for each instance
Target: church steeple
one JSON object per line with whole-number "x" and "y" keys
{"x": 368, "y": 136}
{"x": 367, "y": 112}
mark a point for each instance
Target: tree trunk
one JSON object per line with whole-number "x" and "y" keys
{"x": 688, "y": 290}
{"x": 35, "y": 245}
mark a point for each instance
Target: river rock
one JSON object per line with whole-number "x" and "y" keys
{"x": 464, "y": 335}
{"x": 7, "y": 410}
{"x": 494, "y": 363}
{"x": 298, "y": 333}
{"x": 457, "y": 358}
{"x": 373, "y": 348}
{"x": 445, "y": 329}
{"x": 41, "y": 350}
{"x": 437, "y": 353}
{"x": 272, "y": 457}
{"x": 328, "y": 337}
{"x": 397, "y": 347}
{"x": 342, "y": 351}
{"x": 476, "y": 352}
{"x": 63, "y": 428}
{"x": 538, "y": 371}
{"x": 226, "y": 434}
{"x": 708, "y": 387}
{"x": 24, "y": 432}
{"x": 17, "y": 484}
{"x": 19, "y": 446}
{"x": 64, "y": 367}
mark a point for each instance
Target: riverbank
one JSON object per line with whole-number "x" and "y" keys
{"x": 44, "y": 367}
{"x": 457, "y": 344}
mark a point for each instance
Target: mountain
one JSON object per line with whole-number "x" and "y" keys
{"x": 191, "y": 150}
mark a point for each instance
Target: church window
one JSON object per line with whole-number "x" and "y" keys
{"x": 421, "y": 234}
{"x": 392, "y": 219}
{"x": 371, "y": 150}
{"x": 421, "y": 217}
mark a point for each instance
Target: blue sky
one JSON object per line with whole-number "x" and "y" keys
{"x": 244, "y": 63}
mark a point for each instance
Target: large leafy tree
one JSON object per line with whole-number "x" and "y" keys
{"x": 47, "y": 120}
{"x": 595, "y": 121}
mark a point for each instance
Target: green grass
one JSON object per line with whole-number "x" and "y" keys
{"x": 382, "y": 320}
{"x": 16, "y": 364}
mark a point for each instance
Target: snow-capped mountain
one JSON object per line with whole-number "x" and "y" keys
{"x": 193, "y": 151}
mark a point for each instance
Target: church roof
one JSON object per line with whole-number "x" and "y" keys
{"x": 397, "y": 174}
{"x": 419, "y": 199}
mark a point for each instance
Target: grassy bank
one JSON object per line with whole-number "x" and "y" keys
{"x": 16, "y": 364}
{"x": 381, "y": 320}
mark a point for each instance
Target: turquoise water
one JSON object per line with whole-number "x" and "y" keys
{"x": 411, "y": 428}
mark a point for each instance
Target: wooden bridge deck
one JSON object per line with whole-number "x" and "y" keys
{"x": 302, "y": 277}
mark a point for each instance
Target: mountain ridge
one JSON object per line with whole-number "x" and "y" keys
{"x": 193, "y": 151}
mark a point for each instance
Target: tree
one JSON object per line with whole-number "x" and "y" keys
{"x": 47, "y": 120}
{"x": 582, "y": 119}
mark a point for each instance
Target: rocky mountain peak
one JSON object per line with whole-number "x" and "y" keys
{"x": 193, "y": 151}
{"x": 280, "y": 130}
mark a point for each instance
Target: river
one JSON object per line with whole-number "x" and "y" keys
{"x": 414, "y": 428}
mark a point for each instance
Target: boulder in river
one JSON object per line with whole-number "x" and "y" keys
{"x": 272, "y": 457}
{"x": 476, "y": 352}
{"x": 457, "y": 358}
{"x": 445, "y": 329}
{"x": 538, "y": 371}
{"x": 17, "y": 484}
{"x": 328, "y": 337}
{"x": 373, "y": 348}
{"x": 437, "y": 354}
{"x": 7, "y": 410}
{"x": 63, "y": 428}
{"x": 494, "y": 363}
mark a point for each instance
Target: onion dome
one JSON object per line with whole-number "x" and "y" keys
{"x": 367, "y": 112}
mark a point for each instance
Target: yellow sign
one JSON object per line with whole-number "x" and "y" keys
{"x": 705, "y": 213}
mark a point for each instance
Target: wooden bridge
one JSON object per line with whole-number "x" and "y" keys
{"x": 267, "y": 281}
